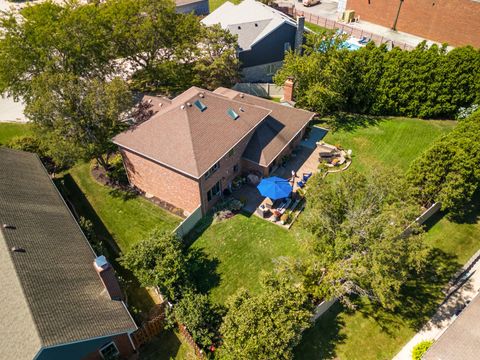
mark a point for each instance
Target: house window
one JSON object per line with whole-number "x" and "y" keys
{"x": 212, "y": 170}
{"x": 109, "y": 352}
{"x": 270, "y": 68}
{"x": 235, "y": 168}
{"x": 214, "y": 191}
{"x": 287, "y": 46}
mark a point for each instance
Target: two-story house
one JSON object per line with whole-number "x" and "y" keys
{"x": 190, "y": 151}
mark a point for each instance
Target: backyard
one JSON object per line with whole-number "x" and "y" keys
{"x": 238, "y": 249}
{"x": 9, "y": 130}
{"x": 341, "y": 332}
{"x": 241, "y": 248}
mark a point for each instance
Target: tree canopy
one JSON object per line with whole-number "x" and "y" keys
{"x": 76, "y": 64}
{"x": 449, "y": 170}
{"x": 428, "y": 82}
{"x": 358, "y": 247}
{"x": 159, "y": 260}
{"x": 264, "y": 326}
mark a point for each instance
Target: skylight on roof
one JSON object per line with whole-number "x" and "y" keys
{"x": 200, "y": 105}
{"x": 232, "y": 114}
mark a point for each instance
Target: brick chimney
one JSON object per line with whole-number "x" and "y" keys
{"x": 288, "y": 90}
{"x": 299, "y": 33}
{"x": 107, "y": 274}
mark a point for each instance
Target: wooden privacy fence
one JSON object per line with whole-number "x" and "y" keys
{"x": 149, "y": 329}
{"x": 188, "y": 338}
{"x": 332, "y": 24}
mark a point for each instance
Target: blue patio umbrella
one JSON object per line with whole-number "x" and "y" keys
{"x": 275, "y": 188}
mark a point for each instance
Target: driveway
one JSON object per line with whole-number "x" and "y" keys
{"x": 463, "y": 291}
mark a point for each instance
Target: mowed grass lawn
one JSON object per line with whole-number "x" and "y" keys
{"x": 9, "y": 130}
{"x": 369, "y": 332}
{"x": 241, "y": 248}
{"x": 390, "y": 143}
{"x": 127, "y": 219}
{"x": 213, "y": 4}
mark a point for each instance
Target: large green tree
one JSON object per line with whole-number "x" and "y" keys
{"x": 358, "y": 247}
{"x": 449, "y": 170}
{"x": 159, "y": 260}
{"x": 265, "y": 326}
{"x": 80, "y": 114}
{"x": 428, "y": 82}
{"x": 201, "y": 318}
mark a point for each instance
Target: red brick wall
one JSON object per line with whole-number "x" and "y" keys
{"x": 123, "y": 344}
{"x": 162, "y": 182}
{"x": 456, "y": 22}
{"x": 225, "y": 173}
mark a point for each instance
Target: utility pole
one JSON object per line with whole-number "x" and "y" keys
{"x": 394, "y": 27}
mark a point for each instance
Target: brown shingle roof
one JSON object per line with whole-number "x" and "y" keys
{"x": 187, "y": 139}
{"x": 276, "y": 132}
{"x": 50, "y": 293}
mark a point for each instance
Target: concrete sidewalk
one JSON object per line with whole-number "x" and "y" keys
{"x": 461, "y": 292}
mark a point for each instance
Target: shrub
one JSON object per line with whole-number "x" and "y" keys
{"x": 222, "y": 215}
{"x": 117, "y": 173}
{"x": 200, "y": 317}
{"x": 233, "y": 205}
{"x": 26, "y": 143}
{"x": 420, "y": 349}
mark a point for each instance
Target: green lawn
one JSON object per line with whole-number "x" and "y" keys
{"x": 380, "y": 334}
{"x": 10, "y": 130}
{"x": 314, "y": 27}
{"x": 126, "y": 218}
{"x": 389, "y": 143}
{"x": 217, "y": 3}
{"x": 238, "y": 249}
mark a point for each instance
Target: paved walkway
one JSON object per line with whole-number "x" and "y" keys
{"x": 461, "y": 292}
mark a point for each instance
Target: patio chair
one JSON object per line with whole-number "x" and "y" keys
{"x": 306, "y": 176}
{"x": 300, "y": 184}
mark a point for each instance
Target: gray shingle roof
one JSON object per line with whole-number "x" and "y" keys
{"x": 461, "y": 340}
{"x": 250, "y": 20}
{"x": 50, "y": 294}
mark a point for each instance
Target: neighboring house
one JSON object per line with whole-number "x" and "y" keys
{"x": 53, "y": 302}
{"x": 189, "y": 152}
{"x": 198, "y": 7}
{"x": 264, "y": 34}
{"x": 461, "y": 340}
{"x": 455, "y": 22}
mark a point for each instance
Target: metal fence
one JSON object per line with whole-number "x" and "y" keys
{"x": 332, "y": 24}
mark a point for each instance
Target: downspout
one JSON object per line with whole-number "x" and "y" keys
{"x": 394, "y": 27}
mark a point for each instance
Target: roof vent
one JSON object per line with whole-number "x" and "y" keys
{"x": 256, "y": 25}
{"x": 182, "y": 107}
{"x": 200, "y": 105}
{"x": 239, "y": 28}
{"x": 149, "y": 101}
{"x": 242, "y": 96}
{"x": 9, "y": 226}
{"x": 242, "y": 109}
{"x": 202, "y": 94}
{"x": 18, "y": 249}
{"x": 189, "y": 104}
{"x": 232, "y": 114}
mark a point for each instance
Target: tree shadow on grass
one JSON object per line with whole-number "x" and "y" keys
{"x": 419, "y": 298}
{"x": 203, "y": 270}
{"x": 198, "y": 230}
{"x": 125, "y": 195}
{"x": 350, "y": 122}
{"x": 320, "y": 341}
